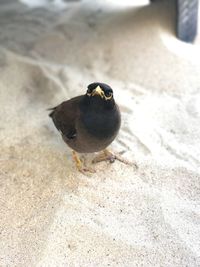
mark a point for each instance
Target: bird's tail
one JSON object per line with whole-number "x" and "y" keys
{"x": 52, "y": 111}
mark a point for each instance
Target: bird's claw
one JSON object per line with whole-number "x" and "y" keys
{"x": 108, "y": 156}
{"x": 80, "y": 165}
{"x": 85, "y": 170}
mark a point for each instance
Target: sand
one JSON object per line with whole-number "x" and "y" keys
{"x": 50, "y": 214}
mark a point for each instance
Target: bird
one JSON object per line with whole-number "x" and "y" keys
{"x": 89, "y": 123}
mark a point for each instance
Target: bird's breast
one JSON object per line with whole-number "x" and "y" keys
{"x": 102, "y": 125}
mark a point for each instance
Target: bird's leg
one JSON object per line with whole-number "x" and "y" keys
{"x": 77, "y": 160}
{"x": 106, "y": 155}
{"x": 80, "y": 165}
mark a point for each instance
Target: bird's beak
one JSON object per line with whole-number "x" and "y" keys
{"x": 98, "y": 91}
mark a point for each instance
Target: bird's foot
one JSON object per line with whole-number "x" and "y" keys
{"x": 106, "y": 155}
{"x": 80, "y": 165}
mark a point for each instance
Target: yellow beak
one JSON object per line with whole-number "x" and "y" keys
{"x": 98, "y": 91}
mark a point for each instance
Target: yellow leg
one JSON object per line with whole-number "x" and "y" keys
{"x": 80, "y": 165}
{"x": 105, "y": 155}
{"x": 77, "y": 160}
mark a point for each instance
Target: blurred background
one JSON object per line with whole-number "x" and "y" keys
{"x": 149, "y": 53}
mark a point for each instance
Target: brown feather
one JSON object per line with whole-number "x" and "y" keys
{"x": 65, "y": 115}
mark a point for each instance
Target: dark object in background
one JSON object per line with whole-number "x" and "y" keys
{"x": 186, "y": 19}
{"x": 90, "y": 122}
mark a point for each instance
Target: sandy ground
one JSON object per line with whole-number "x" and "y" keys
{"x": 51, "y": 215}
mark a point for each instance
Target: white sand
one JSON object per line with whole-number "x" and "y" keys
{"x": 51, "y": 215}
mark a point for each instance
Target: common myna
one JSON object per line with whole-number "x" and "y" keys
{"x": 89, "y": 123}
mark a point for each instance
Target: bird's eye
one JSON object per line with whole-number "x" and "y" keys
{"x": 108, "y": 94}
{"x": 89, "y": 91}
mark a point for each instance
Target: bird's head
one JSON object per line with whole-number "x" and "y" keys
{"x": 100, "y": 90}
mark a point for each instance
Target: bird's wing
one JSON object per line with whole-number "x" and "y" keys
{"x": 65, "y": 115}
